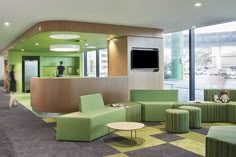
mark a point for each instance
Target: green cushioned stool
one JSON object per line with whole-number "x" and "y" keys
{"x": 221, "y": 141}
{"x": 177, "y": 121}
{"x": 195, "y": 118}
{"x": 133, "y": 111}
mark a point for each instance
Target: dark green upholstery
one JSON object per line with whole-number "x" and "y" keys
{"x": 177, "y": 121}
{"x": 232, "y": 112}
{"x": 195, "y": 117}
{"x": 209, "y": 94}
{"x": 211, "y": 111}
{"x": 221, "y": 141}
{"x": 154, "y": 102}
{"x": 91, "y": 124}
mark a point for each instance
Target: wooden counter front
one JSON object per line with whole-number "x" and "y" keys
{"x": 62, "y": 95}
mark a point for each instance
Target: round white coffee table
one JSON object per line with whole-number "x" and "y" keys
{"x": 126, "y": 126}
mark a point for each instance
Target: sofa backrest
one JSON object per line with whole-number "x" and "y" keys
{"x": 154, "y": 95}
{"x": 91, "y": 103}
{"x": 209, "y": 94}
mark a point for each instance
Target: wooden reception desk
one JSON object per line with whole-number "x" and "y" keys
{"x": 62, "y": 95}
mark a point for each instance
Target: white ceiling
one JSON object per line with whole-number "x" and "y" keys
{"x": 169, "y": 15}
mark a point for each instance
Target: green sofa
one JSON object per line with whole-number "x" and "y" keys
{"x": 215, "y": 111}
{"x": 90, "y": 122}
{"x": 154, "y": 102}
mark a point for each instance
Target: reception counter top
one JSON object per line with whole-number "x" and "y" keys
{"x": 62, "y": 94}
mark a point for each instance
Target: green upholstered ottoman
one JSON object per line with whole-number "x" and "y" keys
{"x": 221, "y": 141}
{"x": 133, "y": 111}
{"x": 177, "y": 121}
{"x": 195, "y": 118}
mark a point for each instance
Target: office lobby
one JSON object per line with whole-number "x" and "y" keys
{"x": 159, "y": 68}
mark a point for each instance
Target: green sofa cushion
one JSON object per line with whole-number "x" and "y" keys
{"x": 154, "y": 95}
{"x": 91, "y": 103}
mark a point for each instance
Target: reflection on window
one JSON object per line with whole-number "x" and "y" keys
{"x": 103, "y": 65}
{"x": 91, "y": 63}
{"x": 176, "y": 63}
{"x": 215, "y": 65}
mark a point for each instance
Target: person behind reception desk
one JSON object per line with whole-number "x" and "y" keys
{"x": 60, "y": 69}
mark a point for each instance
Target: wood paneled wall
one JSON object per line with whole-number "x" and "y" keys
{"x": 117, "y": 57}
{"x": 62, "y": 95}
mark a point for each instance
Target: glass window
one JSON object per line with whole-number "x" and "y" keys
{"x": 176, "y": 63}
{"x": 103, "y": 64}
{"x": 91, "y": 63}
{"x": 215, "y": 55}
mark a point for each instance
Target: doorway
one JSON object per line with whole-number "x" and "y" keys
{"x": 30, "y": 68}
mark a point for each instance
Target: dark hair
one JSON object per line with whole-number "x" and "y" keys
{"x": 12, "y": 67}
{"x": 61, "y": 62}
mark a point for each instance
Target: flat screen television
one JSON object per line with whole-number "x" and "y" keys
{"x": 144, "y": 59}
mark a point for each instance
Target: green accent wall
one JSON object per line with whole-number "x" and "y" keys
{"x": 49, "y": 61}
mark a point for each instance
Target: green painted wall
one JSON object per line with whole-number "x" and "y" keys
{"x": 73, "y": 63}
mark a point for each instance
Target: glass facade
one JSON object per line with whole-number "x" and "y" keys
{"x": 215, "y": 49}
{"x": 176, "y": 63}
{"x": 215, "y": 53}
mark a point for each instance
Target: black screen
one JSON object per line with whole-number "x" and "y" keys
{"x": 144, "y": 59}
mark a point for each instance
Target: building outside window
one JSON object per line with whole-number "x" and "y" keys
{"x": 215, "y": 55}
{"x": 92, "y": 58}
{"x": 176, "y": 63}
{"x": 215, "y": 66}
{"x": 103, "y": 64}
{"x": 91, "y": 63}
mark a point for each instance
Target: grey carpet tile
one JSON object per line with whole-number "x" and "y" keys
{"x": 164, "y": 150}
{"x": 167, "y": 137}
{"x": 203, "y": 131}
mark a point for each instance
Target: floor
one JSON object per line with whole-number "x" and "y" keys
{"x": 35, "y": 135}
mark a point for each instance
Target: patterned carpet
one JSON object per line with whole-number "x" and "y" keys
{"x": 24, "y": 134}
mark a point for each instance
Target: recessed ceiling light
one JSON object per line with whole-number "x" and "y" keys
{"x": 6, "y": 23}
{"x": 64, "y": 47}
{"x": 64, "y": 36}
{"x": 198, "y": 4}
{"x": 36, "y": 44}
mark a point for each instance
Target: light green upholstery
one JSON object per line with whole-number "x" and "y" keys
{"x": 92, "y": 123}
{"x": 195, "y": 117}
{"x": 133, "y": 111}
{"x": 177, "y": 121}
{"x": 221, "y": 141}
{"x": 154, "y": 102}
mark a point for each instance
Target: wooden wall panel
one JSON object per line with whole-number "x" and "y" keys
{"x": 117, "y": 57}
{"x": 62, "y": 95}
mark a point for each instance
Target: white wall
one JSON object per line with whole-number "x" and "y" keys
{"x": 140, "y": 79}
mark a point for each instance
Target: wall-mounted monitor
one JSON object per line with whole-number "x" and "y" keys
{"x": 145, "y": 59}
